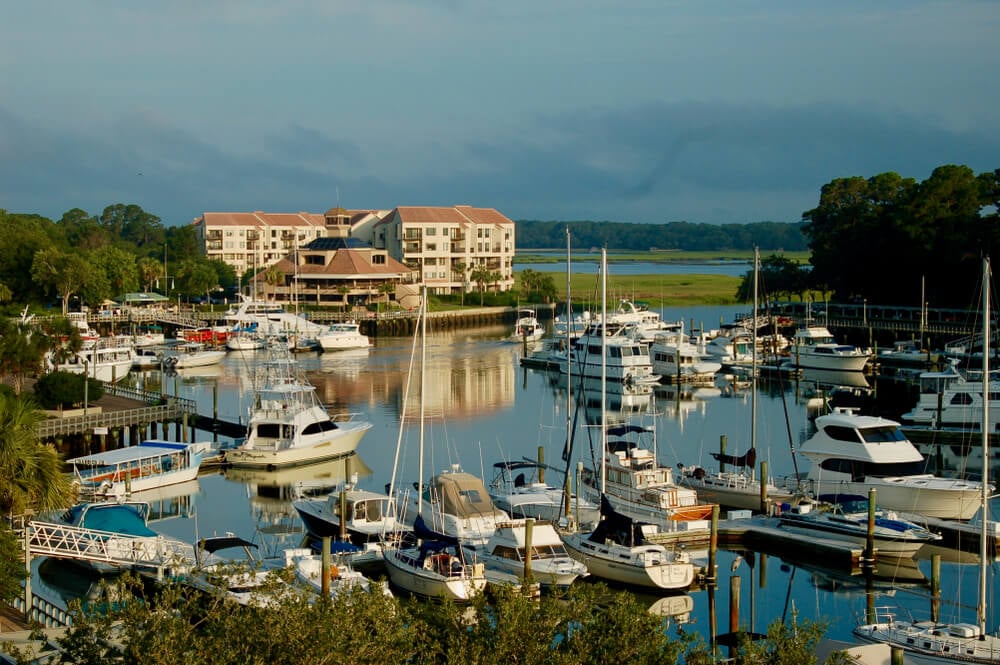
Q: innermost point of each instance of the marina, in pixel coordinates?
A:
(482, 406)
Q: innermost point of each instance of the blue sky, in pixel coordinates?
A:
(641, 111)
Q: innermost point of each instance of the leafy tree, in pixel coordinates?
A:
(23, 347)
(82, 231)
(197, 275)
(20, 237)
(61, 272)
(120, 268)
(31, 474)
(66, 389)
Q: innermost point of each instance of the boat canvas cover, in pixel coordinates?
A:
(464, 495)
(145, 450)
(124, 519)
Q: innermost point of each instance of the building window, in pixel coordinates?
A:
(378, 259)
(431, 231)
(431, 247)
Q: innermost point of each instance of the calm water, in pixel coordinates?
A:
(592, 265)
(482, 407)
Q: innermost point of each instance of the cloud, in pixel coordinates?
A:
(701, 162)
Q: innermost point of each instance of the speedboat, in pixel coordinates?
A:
(845, 518)
(289, 426)
(509, 553)
(852, 453)
(950, 399)
(343, 335)
(238, 574)
(527, 328)
(193, 354)
(619, 550)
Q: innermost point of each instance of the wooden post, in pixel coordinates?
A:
(529, 526)
(763, 487)
(541, 464)
(325, 572)
(343, 514)
(869, 554)
(723, 442)
(734, 610)
(713, 546)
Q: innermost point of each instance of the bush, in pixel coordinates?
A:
(66, 390)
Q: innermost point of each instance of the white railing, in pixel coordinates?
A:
(141, 552)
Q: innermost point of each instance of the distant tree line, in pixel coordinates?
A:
(533, 234)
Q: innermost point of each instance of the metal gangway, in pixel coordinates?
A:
(159, 555)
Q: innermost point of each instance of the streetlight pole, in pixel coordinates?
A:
(86, 382)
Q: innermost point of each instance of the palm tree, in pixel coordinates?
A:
(31, 474)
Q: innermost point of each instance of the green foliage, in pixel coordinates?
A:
(587, 624)
(31, 474)
(884, 237)
(66, 389)
(11, 565)
(537, 286)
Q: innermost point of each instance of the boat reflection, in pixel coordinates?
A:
(170, 501)
(271, 493)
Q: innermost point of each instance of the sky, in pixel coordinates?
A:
(706, 111)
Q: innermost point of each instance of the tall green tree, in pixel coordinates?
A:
(62, 272)
(120, 268)
(20, 237)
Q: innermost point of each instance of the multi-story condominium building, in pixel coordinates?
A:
(249, 240)
(451, 247)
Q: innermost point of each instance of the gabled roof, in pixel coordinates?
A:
(259, 218)
(354, 262)
(461, 214)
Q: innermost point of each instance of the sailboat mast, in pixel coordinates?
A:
(753, 358)
(569, 382)
(981, 605)
(423, 395)
(604, 368)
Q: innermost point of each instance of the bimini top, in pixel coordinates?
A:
(144, 450)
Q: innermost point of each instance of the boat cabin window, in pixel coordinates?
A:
(321, 426)
(882, 434)
(269, 430)
(859, 470)
(961, 399)
(471, 495)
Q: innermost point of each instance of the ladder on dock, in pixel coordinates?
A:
(159, 554)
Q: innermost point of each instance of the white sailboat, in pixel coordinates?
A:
(436, 566)
(740, 487)
(931, 641)
(617, 549)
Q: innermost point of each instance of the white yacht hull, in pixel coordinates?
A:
(344, 442)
